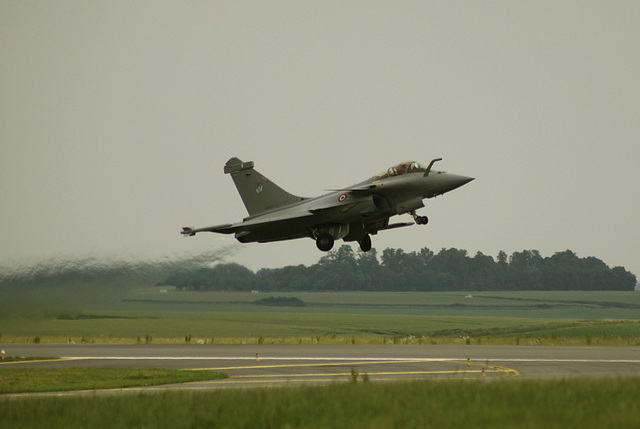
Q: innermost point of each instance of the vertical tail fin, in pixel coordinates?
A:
(258, 193)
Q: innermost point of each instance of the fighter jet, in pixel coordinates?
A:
(354, 213)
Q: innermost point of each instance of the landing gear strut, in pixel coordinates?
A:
(325, 242)
(365, 243)
(420, 220)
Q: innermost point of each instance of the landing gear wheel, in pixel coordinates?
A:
(422, 220)
(325, 242)
(365, 243)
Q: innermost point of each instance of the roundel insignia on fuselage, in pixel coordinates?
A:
(342, 198)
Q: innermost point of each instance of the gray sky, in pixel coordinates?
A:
(116, 119)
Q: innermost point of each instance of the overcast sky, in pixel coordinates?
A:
(116, 119)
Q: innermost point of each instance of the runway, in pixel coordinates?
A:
(275, 365)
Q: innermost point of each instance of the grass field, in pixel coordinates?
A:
(238, 327)
(572, 403)
(161, 315)
(528, 304)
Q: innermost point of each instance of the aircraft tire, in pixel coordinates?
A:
(325, 242)
(422, 220)
(365, 243)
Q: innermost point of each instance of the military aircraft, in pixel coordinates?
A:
(351, 214)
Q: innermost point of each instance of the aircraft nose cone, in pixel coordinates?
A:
(463, 180)
(454, 181)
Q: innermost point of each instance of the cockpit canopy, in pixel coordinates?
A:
(399, 170)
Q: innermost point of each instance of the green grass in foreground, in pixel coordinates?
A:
(13, 380)
(567, 403)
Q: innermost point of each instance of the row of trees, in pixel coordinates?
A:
(396, 270)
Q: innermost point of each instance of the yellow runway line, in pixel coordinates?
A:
(294, 365)
(39, 361)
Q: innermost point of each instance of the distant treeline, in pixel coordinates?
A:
(447, 270)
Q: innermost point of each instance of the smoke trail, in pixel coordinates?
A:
(95, 265)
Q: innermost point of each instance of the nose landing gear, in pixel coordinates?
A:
(420, 220)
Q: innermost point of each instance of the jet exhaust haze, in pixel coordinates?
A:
(61, 265)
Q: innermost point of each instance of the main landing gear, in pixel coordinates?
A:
(325, 242)
(365, 243)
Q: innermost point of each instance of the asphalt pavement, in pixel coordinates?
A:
(274, 365)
